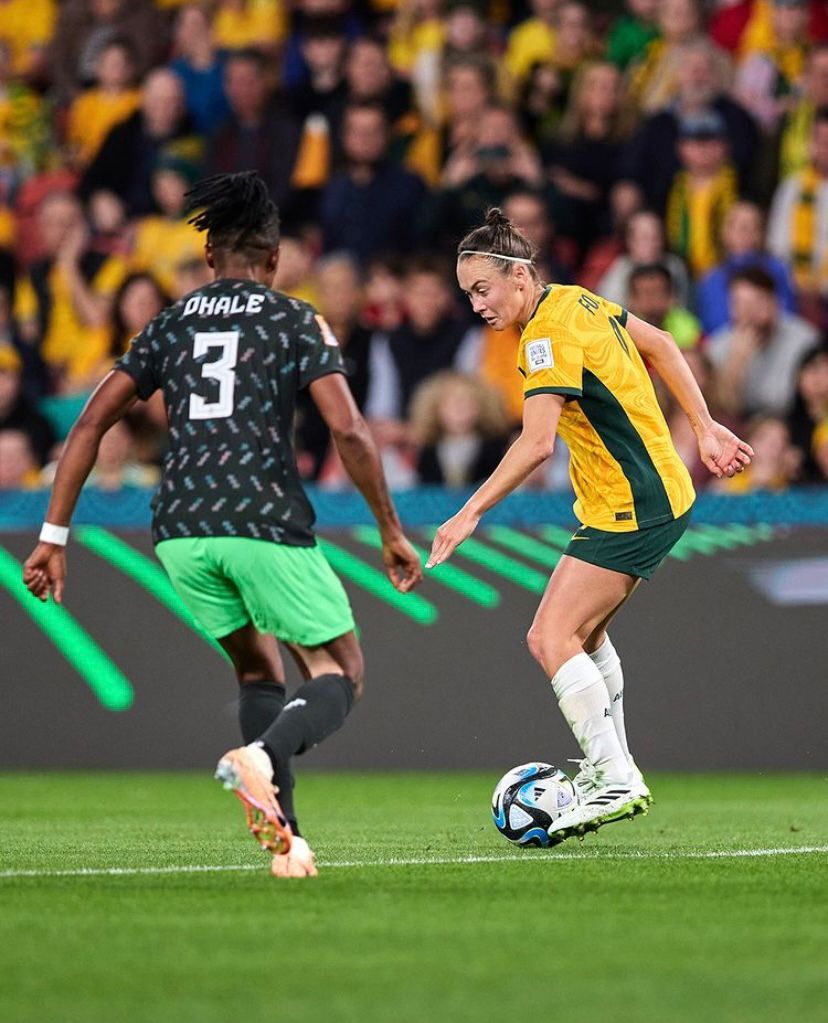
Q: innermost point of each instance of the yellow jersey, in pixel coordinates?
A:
(626, 473)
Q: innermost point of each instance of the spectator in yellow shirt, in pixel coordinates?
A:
(64, 304)
(164, 241)
(110, 101)
(533, 40)
(702, 191)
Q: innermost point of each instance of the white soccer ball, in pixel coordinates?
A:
(528, 800)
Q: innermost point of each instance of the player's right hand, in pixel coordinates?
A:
(722, 451)
(45, 571)
(402, 563)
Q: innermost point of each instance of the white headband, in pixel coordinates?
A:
(496, 255)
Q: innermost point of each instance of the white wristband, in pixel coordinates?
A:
(54, 534)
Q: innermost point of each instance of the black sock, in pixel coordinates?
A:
(260, 703)
(318, 709)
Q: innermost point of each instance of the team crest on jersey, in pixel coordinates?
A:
(539, 354)
(327, 334)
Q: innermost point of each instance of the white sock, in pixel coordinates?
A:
(607, 661)
(582, 697)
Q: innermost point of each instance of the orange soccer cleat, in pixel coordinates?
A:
(239, 771)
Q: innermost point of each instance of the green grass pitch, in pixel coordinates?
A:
(712, 908)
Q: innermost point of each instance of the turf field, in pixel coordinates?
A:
(139, 897)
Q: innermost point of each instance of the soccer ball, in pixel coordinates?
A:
(528, 799)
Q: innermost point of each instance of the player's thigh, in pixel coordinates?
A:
(596, 637)
(290, 592)
(208, 594)
(578, 597)
(255, 656)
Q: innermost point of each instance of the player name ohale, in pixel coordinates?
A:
(223, 305)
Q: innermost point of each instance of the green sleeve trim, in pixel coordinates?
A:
(574, 392)
(622, 318)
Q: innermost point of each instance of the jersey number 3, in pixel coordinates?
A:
(223, 370)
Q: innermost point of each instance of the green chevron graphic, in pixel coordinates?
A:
(107, 682)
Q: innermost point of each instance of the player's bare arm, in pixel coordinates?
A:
(45, 569)
(361, 459)
(534, 445)
(721, 450)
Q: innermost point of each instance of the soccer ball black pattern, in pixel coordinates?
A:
(528, 800)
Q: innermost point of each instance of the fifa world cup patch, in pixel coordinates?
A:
(539, 354)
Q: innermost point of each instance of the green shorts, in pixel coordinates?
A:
(228, 581)
(637, 553)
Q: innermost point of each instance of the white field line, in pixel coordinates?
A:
(525, 857)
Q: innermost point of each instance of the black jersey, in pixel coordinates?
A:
(230, 359)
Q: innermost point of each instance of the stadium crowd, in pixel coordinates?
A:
(671, 155)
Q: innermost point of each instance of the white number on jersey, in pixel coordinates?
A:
(223, 370)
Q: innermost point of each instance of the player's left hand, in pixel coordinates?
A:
(450, 535)
(723, 452)
(45, 571)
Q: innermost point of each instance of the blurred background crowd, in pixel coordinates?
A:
(671, 155)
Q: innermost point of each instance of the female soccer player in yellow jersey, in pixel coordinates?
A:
(584, 376)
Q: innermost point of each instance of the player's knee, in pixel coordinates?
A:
(535, 641)
(548, 649)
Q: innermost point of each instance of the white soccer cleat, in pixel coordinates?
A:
(298, 861)
(599, 802)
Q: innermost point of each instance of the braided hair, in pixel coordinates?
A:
(499, 241)
(237, 213)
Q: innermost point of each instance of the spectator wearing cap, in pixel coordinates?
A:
(651, 157)
(164, 241)
(757, 358)
(17, 411)
(770, 73)
(200, 65)
(373, 204)
(127, 158)
(798, 222)
(742, 245)
(702, 192)
(113, 98)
